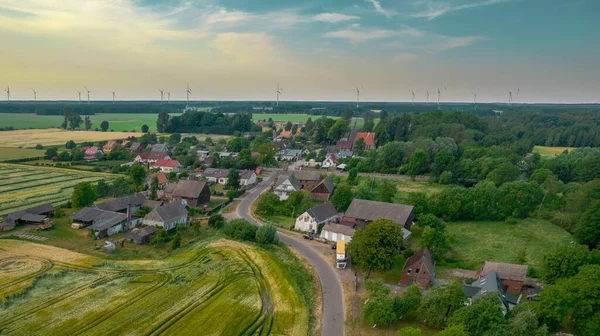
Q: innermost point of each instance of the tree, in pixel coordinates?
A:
(266, 234)
(174, 139)
(359, 146)
(162, 123)
(51, 152)
(145, 128)
(39, 146)
(154, 188)
(387, 191)
(137, 174)
(159, 237)
(443, 159)
(176, 243)
(240, 229)
(440, 302)
(445, 177)
(519, 198)
(429, 220)
(505, 172)
(104, 126)
(267, 204)
(337, 130)
(380, 311)
(67, 114)
(481, 317)
(564, 261)
(436, 241)
(409, 331)
(216, 221)
(420, 202)
(288, 126)
(74, 120)
(524, 322)
(64, 156)
(376, 247)
(70, 144)
(587, 230)
(352, 176)
(342, 197)
(455, 330)
(87, 123)
(417, 163)
(236, 144)
(408, 301)
(84, 194)
(233, 179)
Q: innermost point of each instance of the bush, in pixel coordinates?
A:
(176, 241)
(39, 146)
(267, 234)
(216, 221)
(240, 229)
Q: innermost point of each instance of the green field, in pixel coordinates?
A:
(550, 152)
(10, 153)
(278, 117)
(207, 288)
(23, 186)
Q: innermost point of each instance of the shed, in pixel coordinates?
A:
(141, 236)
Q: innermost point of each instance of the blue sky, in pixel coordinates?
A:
(548, 50)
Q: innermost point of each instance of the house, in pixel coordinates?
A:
(369, 138)
(135, 147)
(91, 153)
(247, 177)
(491, 283)
(141, 236)
(151, 157)
(227, 154)
(291, 155)
(110, 145)
(162, 180)
(418, 269)
(362, 212)
(168, 166)
(101, 223)
(344, 145)
(216, 175)
(159, 148)
(513, 276)
(323, 190)
(208, 161)
(345, 154)
(151, 204)
(315, 216)
(330, 161)
(308, 180)
(193, 193)
(126, 204)
(33, 215)
(334, 232)
(285, 186)
(202, 154)
(289, 134)
(167, 216)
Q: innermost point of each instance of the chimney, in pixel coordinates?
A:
(128, 210)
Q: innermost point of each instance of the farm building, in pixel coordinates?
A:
(101, 223)
(216, 175)
(151, 204)
(168, 166)
(313, 217)
(135, 147)
(110, 146)
(194, 193)
(285, 186)
(418, 268)
(91, 153)
(290, 155)
(151, 157)
(202, 154)
(362, 212)
(491, 283)
(159, 148)
(323, 190)
(126, 204)
(345, 154)
(513, 276)
(344, 145)
(308, 180)
(334, 232)
(167, 216)
(32, 215)
(141, 236)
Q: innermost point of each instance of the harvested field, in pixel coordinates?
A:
(221, 288)
(11, 153)
(55, 136)
(547, 151)
(24, 186)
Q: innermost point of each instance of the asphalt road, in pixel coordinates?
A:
(333, 299)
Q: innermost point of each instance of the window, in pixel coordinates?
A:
(417, 271)
(409, 270)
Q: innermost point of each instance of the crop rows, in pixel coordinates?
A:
(15, 180)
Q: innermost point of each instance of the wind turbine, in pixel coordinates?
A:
(439, 93)
(474, 99)
(427, 97)
(357, 96)
(34, 96)
(113, 93)
(168, 97)
(7, 90)
(188, 93)
(162, 94)
(278, 93)
(88, 93)
(509, 98)
(413, 97)
(79, 92)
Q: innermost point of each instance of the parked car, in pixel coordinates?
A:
(334, 245)
(309, 236)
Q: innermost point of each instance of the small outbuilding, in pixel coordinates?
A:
(513, 276)
(141, 236)
(323, 190)
(167, 216)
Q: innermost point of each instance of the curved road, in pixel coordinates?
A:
(333, 299)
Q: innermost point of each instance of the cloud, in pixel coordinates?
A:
(380, 9)
(334, 17)
(436, 8)
(357, 35)
(442, 42)
(404, 58)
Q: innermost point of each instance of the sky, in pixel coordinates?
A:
(316, 50)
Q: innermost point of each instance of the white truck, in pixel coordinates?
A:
(340, 254)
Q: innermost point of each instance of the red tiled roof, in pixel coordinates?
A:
(285, 134)
(162, 178)
(166, 163)
(369, 138)
(110, 144)
(91, 150)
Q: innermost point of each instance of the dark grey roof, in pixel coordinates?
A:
(322, 212)
(170, 211)
(139, 233)
(12, 217)
(33, 218)
(151, 204)
(421, 256)
(307, 175)
(339, 228)
(489, 283)
(246, 174)
(121, 203)
(327, 183)
(215, 172)
(188, 189)
(372, 210)
(40, 209)
(345, 154)
(101, 219)
(292, 178)
(170, 187)
(135, 145)
(158, 148)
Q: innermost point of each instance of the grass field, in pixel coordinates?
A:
(547, 151)
(54, 136)
(277, 117)
(25, 186)
(11, 153)
(207, 288)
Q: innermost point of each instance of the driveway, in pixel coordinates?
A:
(333, 299)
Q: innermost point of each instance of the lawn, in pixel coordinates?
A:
(55, 136)
(11, 153)
(49, 290)
(403, 187)
(476, 242)
(547, 151)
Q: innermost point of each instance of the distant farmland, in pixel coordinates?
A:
(56, 137)
(221, 288)
(548, 151)
(25, 186)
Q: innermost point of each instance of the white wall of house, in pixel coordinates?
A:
(222, 180)
(114, 230)
(170, 169)
(166, 225)
(328, 163)
(248, 181)
(332, 236)
(306, 222)
(284, 190)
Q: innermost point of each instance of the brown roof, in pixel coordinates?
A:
(307, 175)
(505, 271)
(162, 178)
(369, 138)
(339, 228)
(153, 155)
(188, 189)
(372, 210)
(423, 256)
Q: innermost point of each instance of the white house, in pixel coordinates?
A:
(167, 216)
(151, 157)
(168, 166)
(335, 232)
(330, 161)
(202, 154)
(313, 217)
(216, 175)
(247, 177)
(286, 186)
(291, 154)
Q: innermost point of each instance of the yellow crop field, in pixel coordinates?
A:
(547, 151)
(55, 136)
(218, 288)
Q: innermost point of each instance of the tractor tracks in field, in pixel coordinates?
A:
(263, 323)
